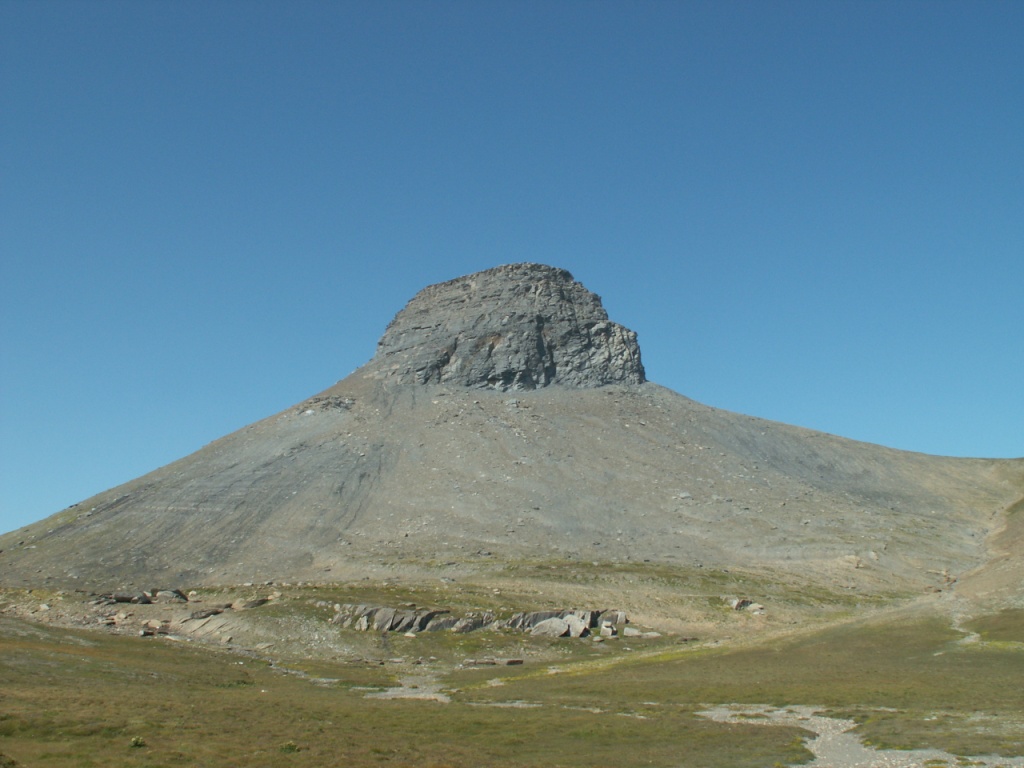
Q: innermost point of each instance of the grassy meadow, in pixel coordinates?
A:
(75, 698)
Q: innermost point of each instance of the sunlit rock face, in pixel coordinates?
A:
(514, 327)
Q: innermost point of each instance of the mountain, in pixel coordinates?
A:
(505, 418)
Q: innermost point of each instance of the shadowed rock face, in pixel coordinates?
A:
(515, 327)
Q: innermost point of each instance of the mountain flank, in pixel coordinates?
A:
(505, 419)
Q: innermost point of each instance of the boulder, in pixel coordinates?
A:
(589, 618)
(613, 617)
(577, 626)
(554, 627)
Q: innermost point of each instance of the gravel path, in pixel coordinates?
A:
(836, 747)
(413, 687)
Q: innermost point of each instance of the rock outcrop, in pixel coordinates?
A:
(566, 623)
(515, 327)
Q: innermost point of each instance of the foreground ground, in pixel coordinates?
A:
(279, 685)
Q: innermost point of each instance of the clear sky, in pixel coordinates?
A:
(811, 212)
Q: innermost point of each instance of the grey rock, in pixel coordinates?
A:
(362, 617)
(343, 616)
(473, 623)
(589, 618)
(554, 627)
(441, 623)
(382, 618)
(613, 618)
(139, 598)
(528, 620)
(516, 622)
(406, 620)
(206, 613)
(245, 605)
(403, 621)
(577, 627)
(169, 596)
(423, 619)
(515, 327)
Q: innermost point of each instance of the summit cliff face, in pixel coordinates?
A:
(515, 327)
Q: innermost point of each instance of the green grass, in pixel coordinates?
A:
(915, 667)
(1006, 626)
(696, 582)
(72, 699)
(82, 699)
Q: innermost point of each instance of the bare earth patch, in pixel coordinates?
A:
(835, 746)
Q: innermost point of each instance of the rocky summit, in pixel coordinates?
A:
(515, 327)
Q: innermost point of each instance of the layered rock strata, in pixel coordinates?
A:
(515, 327)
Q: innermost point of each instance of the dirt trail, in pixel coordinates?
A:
(834, 746)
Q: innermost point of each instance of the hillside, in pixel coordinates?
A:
(505, 418)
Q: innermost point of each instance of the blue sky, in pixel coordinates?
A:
(810, 212)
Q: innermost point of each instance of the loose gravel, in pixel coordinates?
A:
(834, 746)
